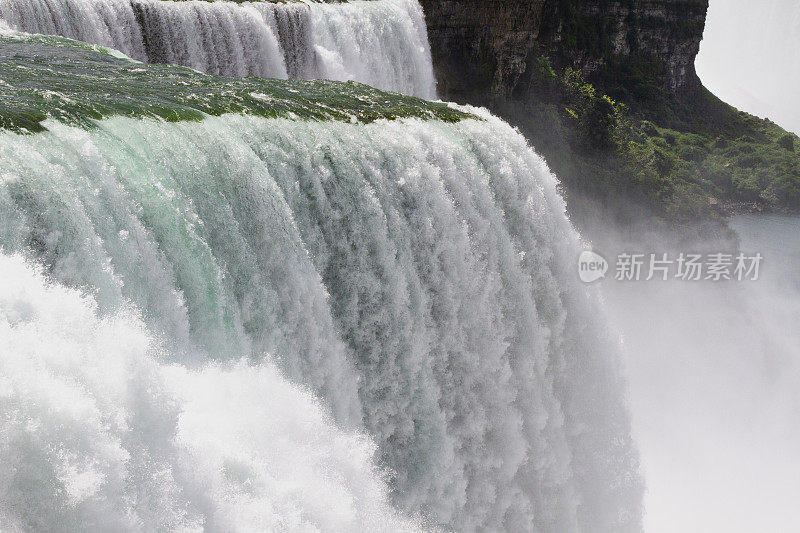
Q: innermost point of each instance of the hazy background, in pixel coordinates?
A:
(750, 57)
(714, 381)
(714, 369)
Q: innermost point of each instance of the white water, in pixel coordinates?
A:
(417, 276)
(382, 43)
(100, 433)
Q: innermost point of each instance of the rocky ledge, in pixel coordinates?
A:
(607, 92)
(489, 47)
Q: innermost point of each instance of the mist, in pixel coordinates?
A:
(714, 367)
(750, 57)
(713, 370)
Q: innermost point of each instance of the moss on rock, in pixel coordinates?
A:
(45, 77)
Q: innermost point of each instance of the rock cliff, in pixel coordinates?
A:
(607, 92)
(486, 48)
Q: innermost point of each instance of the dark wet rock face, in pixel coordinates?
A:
(485, 48)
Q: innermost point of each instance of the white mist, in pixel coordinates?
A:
(714, 370)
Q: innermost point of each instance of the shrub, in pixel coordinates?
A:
(786, 189)
(746, 186)
(597, 126)
(787, 142)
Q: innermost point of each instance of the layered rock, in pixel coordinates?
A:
(486, 48)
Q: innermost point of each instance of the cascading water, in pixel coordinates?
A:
(416, 275)
(100, 433)
(382, 43)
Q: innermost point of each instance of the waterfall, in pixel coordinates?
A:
(414, 272)
(268, 322)
(100, 433)
(382, 43)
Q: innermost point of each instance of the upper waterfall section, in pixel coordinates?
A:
(382, 43)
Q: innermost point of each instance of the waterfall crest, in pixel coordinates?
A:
(341, 307)
(417, 276)
(382, 43)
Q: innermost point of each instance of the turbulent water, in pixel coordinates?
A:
(415, 275)
(379, 42)
(247, 304)
(101, 433)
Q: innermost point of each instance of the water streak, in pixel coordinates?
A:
(417, 276)
(100, 433)
(382, 43)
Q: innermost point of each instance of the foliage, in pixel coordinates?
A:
(787, 142)
(45, 77)
(681, 160)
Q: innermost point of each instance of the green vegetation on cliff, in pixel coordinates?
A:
(681, 161)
